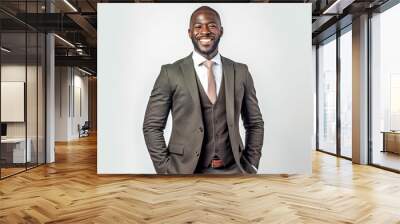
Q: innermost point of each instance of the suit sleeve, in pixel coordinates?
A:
(252, 122)
(155, 120)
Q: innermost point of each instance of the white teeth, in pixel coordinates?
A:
(205, 40)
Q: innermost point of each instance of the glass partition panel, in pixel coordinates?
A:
(41, 98)
(14, 153)
(22, 77)
(327, 96)
(31, 100)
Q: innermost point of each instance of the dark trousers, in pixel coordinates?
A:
(232, 169)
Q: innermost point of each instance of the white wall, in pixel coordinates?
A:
(274, 40)
(61, 103)
(67, 84)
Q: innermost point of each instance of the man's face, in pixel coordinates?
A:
(205, 31)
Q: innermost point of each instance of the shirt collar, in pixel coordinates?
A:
(199, 59)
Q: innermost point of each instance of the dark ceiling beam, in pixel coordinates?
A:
(86, 26)
(329, 14)
(332, 29)
(334, 17)
(341, 21)
(321, 22)
(63, 7)
(11, 25)
(89, 70)
(74, 13)
(338, 6)
(15, 18)
(383, 6)
(49, 22)
(91, 5)
(53, 22)
(66, 51)
(83, 61)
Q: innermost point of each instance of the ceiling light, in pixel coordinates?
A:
(65, 41)
(70, 5)
(5, 50)
(84, 71)
(79, 51)
(338, 6)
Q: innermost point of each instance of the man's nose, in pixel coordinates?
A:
(205, 30)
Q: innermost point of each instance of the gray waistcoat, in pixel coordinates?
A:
(216, 137)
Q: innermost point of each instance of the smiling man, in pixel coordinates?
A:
(206, 94)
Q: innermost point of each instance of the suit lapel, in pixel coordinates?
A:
(189, 76)
(229, 78)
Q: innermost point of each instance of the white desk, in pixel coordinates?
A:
(18, 149)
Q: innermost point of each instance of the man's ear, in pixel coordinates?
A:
(222, 31)
(189, 33)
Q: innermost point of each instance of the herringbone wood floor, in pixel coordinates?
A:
(70, 191)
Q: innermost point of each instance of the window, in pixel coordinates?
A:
(346, 93)
(327, 96)
(385, 88)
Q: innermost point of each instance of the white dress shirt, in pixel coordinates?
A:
(201, 70)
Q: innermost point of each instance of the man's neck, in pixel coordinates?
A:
(208, 57)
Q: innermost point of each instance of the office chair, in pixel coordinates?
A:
(84, 130)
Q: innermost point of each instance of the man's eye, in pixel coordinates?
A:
(197, 26)
(212, 26)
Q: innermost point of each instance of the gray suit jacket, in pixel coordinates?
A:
(176, 90)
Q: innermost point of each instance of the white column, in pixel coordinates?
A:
(360, 90)
(50, 92)
(50, 100)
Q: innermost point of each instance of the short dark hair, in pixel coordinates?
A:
(205, 8)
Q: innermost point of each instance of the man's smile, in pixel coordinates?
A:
(205, 40)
